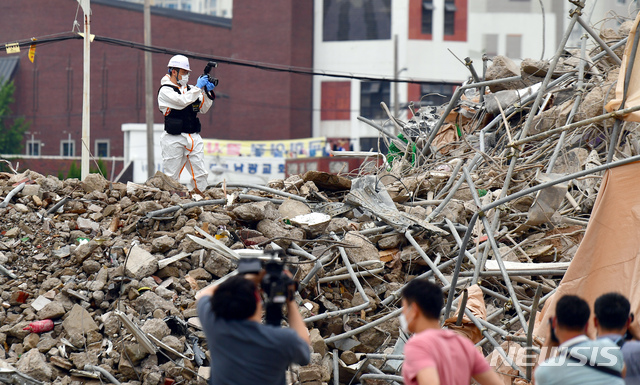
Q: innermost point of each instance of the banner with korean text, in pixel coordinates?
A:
(294, 148)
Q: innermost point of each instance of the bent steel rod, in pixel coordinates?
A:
(382, 376)
(269, 190)
(576, 104)
(501, 297)
(493, 342)
(614, 46)
(364, 296)
(565, 178)
(613, 142)
(599, 40)
(454, 173)
(453, 102)
(452, 192)
(396, 294)
(494, 246)
(454, 233)
(548, 133)
(297, 250)
(402, 146)
(538, 101)
(456, 272)
(380, 320)
(336, 368)
(376, 376)
(512, 321)
(532, 321)
(154, 214)
(515, 273)
(513, 108)
(380, 356)
(424, 256)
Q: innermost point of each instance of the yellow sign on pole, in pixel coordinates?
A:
(32, 51)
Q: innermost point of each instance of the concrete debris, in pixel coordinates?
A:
(498, 204)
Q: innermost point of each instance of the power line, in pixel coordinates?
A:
(221, 59)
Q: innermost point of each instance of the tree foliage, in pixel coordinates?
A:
(12, 128)
(75, 171)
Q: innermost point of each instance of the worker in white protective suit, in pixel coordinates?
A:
(180, 103)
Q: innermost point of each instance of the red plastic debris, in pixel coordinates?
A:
(42, 326)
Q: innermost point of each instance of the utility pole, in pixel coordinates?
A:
(86, 100)
(396, 104)
(148, 69)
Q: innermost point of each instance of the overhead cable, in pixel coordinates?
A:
(219, 59)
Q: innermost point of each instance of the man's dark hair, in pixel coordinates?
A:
(427, 295)
(612, 311)
(235, 299)
(572, 312)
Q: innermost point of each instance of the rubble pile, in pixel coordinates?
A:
(475, 191)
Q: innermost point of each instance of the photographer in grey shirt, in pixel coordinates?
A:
(243, 350)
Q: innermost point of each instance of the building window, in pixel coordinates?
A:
(67, 147)
(427, 17)
(490, 44)
(373, 144)
(450, 17)
(33, 147)
(356, 20)
(371, 94)
(514, 46)
(436, 94)
(102, 148)
(335, 101)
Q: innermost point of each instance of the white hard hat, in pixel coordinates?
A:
(179, 61)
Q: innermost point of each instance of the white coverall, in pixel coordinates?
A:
(183, 150)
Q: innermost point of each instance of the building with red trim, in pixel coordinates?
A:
(427, 40)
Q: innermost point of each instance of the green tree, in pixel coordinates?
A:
(75, 171)
(13, 129)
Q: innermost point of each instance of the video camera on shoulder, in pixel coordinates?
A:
(275, 283)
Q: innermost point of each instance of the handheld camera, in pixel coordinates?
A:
(207, 70)
(275, 283)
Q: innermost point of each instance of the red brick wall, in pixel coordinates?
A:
(335, 101)
(413, 93)
(460, 22)
(61, 167)
(251, 103)
(415, 21)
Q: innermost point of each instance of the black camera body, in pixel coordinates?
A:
(207, 70)
(275, 283)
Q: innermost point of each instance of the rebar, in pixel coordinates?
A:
(355, 280)
(269, 190)
(532, 321)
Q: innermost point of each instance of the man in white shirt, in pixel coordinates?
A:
(181, 144)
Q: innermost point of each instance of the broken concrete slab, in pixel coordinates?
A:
(362, 250)
(140, 263)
